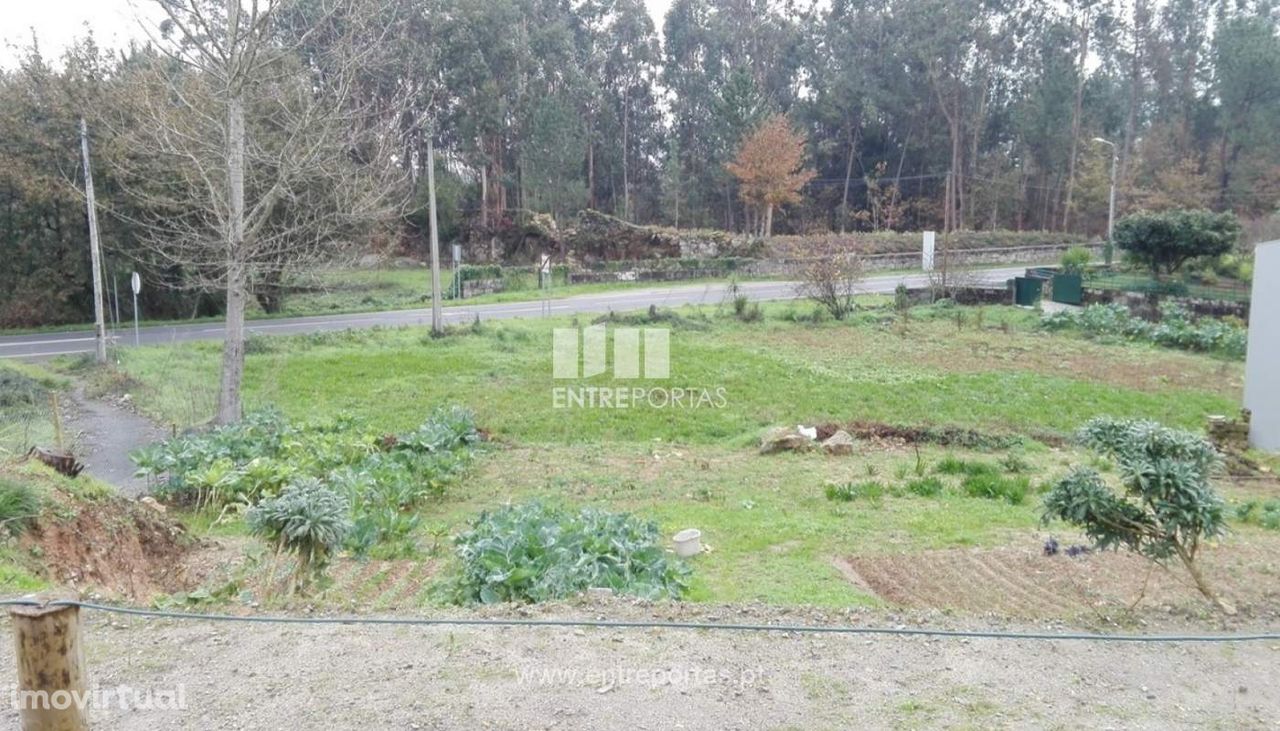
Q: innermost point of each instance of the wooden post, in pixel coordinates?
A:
(51, 671)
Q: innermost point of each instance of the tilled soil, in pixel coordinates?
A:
(253, 676)
(1020, 582)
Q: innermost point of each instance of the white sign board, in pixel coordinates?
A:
(927, 258)
(457, 253)
(136, 281)
(1262, 388)
(546, 264)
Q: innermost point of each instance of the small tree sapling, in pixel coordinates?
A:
(1166, 508)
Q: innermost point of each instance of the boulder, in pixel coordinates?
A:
(783, 439)
(840, 444)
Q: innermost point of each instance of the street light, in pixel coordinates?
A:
(1111, 210)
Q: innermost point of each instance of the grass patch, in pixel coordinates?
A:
(772, 372)
(996, 487)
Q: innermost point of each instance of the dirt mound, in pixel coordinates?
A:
(108, 545)
(1022, 582)
(946, 436)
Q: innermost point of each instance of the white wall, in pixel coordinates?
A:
(1262, 375)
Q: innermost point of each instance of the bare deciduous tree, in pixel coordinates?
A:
(254, 148)
(832, 282)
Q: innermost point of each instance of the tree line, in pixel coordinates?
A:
(949, 114)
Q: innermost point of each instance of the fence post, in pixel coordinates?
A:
(51, 692)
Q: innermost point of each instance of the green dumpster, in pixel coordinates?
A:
(1068, 289)
(1026, 291)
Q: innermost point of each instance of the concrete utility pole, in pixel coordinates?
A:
(95, 252)
(437, 315)
(1111, 209)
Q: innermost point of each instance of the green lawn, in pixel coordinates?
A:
(774, 534)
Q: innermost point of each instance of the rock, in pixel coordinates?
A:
(810, 432)
(370, 261)
(783, 439)
(840, 444)
(152, 503)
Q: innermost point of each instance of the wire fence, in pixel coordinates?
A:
(1144, 284)
(901, 631)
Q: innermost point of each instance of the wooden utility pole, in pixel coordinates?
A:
(437, 316)
(51, 670)
(95, 252)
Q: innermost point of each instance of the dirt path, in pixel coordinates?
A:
(104, 434)
(238, 676)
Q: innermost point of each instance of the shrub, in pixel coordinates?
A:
(1264, 513)
(996, 487)
(1075, 259)
(1164, 241)
(308, 520)
(19, 506)
(1176, 328)
(1166, 506)
(850, 491)
(926, 487)
(832, 283)
(534, 552)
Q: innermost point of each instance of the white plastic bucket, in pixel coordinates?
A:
(688, 542)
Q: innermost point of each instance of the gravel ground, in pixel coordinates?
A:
(251, 676)
(105, 433)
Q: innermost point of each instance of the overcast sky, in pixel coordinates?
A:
(57, 22)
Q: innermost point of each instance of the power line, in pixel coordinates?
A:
(643, 624)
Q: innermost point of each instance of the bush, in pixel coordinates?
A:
(308, 520)
(1166, 507)
(534, 552)
(1164, 241)
(1176, 328)
(1263, 513)
(1075, 259)
(832, 283)
(926, 487)
(19, 506)
(382, 477)
(996, 487)
(953, 465)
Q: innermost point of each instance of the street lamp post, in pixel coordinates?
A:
(1109, 249)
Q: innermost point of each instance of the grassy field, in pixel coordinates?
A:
(774, 535)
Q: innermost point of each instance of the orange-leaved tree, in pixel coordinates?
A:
(770, 169)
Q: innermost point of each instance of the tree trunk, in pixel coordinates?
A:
(1202, 584)
(229, 407)
(1076, 113)
(626, 171)
(1141, 16)
(591, 168)
(848, 173)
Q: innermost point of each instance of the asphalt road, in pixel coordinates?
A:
(70, 343)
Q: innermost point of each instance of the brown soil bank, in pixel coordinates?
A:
(91, 540)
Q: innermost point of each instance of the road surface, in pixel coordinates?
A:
(71, 343)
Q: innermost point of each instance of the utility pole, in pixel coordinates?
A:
(437, 316)
(95, 252)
